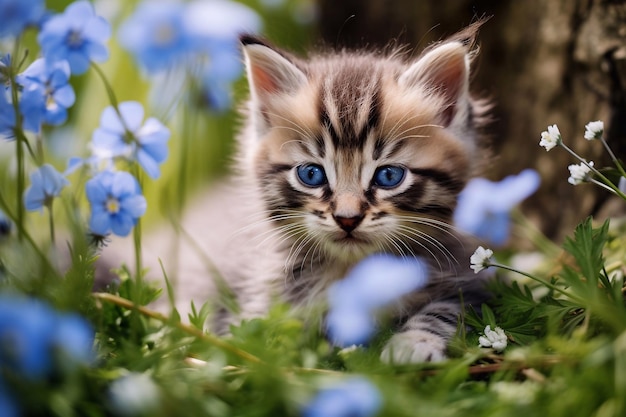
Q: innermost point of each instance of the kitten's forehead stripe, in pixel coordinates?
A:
(350, 103)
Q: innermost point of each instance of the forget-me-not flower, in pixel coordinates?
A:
(349, 326)
(16, 15)
(116, 203)
(46, 183)
(49, 83)
(156, 35)
(355, 397)
(222, 67)
(129, 137)
(375, 282)
(214, 27)
(484, 206)
(31, 332)
(77, 35)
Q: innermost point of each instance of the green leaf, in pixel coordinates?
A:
(586, 248)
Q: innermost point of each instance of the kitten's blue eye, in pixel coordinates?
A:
(312, 175)
(389, 176)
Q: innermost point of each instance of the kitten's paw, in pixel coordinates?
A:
(414, 346)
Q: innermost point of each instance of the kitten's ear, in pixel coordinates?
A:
(444, 71)
(269, 71)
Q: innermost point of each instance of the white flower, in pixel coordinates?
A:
(480, 259)
(133, 394)
(523, 393)
(594, 130)
(550, 138)
(347, 351)
(622, 184)
(495, 339)
(579, 173)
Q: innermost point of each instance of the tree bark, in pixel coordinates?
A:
(542, 62)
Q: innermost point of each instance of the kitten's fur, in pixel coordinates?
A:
(349, 113)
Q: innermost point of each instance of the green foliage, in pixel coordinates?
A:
(566, 328)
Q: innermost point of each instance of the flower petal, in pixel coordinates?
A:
(124, 184)
(100, 222)
(121, 225)
(135, 205)
(148, 164)
(132, 112)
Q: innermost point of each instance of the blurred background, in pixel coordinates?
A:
(541, 62)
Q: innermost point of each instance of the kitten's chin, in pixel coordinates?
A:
(349, 248)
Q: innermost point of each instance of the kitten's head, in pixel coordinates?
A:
(362, 152)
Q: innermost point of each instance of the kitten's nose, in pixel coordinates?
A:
(348, 223)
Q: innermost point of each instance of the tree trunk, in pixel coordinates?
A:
(541, 61)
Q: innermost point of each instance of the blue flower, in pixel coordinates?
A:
(375, 282)
(15, 15)
(484, 206)
(355, 397)
(45, 184)
(127, 137)
(222, 68)
(116, 203)
(347, 326)
(77, 35)
(7, 116)
(49, 84)
(75, 337)
(155, 34)
(214, 28)
(219, 20)
(31, 332)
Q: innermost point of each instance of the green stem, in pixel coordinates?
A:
(206, 337)
(107, 86)
(547, 284)
(601, 184)
(19, 138)
(39, 156)
(613, 157)
(137, 235)
(111, 94)
(25, 235)
(51, 223)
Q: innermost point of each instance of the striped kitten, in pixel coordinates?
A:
(342, 155)
(353, 153)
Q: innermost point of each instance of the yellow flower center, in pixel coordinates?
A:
(113, 205)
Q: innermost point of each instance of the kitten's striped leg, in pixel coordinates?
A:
(424, 337)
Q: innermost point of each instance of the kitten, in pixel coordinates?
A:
(344, 155)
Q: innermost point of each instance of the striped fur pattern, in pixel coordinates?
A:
(326, 141)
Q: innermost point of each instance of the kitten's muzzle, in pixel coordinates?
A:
(348, 224)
